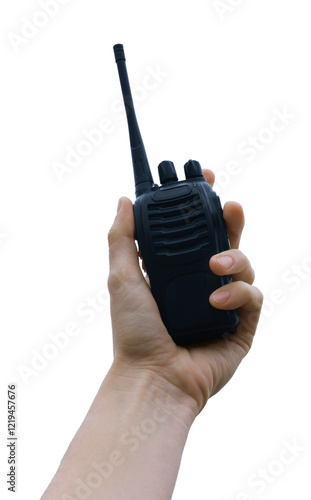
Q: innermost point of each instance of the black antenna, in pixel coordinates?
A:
(142, 172)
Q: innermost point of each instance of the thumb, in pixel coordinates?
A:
(123, 258)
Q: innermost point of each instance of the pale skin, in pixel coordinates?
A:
(130, 444)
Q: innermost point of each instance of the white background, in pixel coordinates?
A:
(222, 76)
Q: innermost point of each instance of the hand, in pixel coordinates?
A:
(141, 342)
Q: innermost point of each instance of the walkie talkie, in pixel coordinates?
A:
(179, 227)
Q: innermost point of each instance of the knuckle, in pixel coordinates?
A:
(112, 236)
(258, 297)
(252, 275)
(117, 280)
(246, 267)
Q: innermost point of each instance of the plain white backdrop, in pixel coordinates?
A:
(219, 72)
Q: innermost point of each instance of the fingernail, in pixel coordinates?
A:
(226, 261)
(221, 296)
(119, 205)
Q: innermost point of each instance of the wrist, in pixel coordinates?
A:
(133, 434)
(148, 392)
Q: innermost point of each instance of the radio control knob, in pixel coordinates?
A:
(167, 172)
(193, 169)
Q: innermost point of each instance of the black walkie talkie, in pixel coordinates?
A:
(179, 226)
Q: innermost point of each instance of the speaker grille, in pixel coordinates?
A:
(178, 226)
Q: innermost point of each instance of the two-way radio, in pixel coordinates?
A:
(179, 227)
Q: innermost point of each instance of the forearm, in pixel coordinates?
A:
(130, 444)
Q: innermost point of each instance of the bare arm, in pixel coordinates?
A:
(130, 444)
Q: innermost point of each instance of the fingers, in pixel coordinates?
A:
(233, 214)
(209, 176)
(235, 263)
(237, 295)
(234, 217)
(123, 258)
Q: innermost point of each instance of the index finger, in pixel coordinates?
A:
(232, 212)
(209, 176)
(234, 217)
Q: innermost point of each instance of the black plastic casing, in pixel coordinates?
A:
(179, 227)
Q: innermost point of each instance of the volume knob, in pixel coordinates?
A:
(193, 169)
(167, 172)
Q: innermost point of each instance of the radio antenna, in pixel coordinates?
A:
(142, 172)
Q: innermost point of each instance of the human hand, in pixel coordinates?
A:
(142, 344)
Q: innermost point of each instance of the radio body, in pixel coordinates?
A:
(179, 227)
